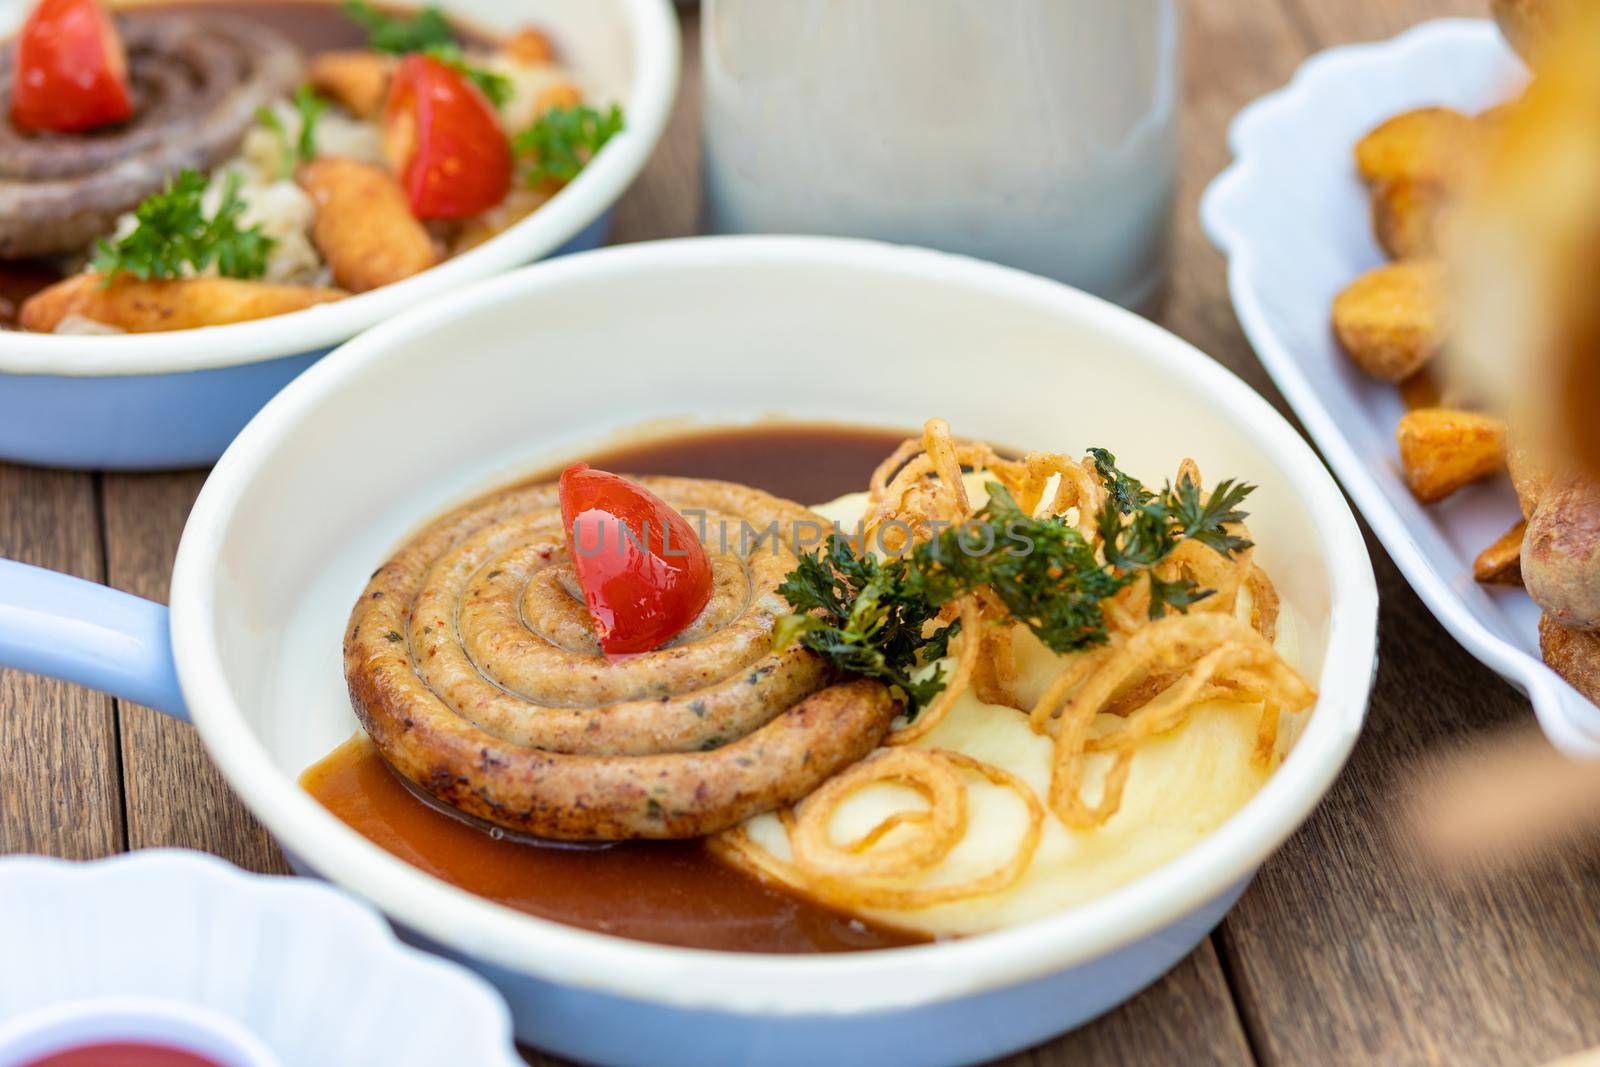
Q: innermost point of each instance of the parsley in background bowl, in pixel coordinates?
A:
(175, 399)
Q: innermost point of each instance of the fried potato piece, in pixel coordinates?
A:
(357, 79)
(1405, 216)
(1501, 562)
(1391, 320)
(1561, 554)
(1572, 654)
(364, 227)
(1430, 144)
(529, 46)
(1442, 450)
(562, 94)
(173, 304)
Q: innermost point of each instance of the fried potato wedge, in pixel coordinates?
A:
(1501, 562)
(1405, 216)
(357, 79)
(1442, 450)
(1572, 654)
(1392, 320)
(560, 95)
(529, 46)
(1430, 144)
(1561, 554)
(174, 304)
(364, 226)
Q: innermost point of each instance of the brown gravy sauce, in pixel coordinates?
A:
(672, 893)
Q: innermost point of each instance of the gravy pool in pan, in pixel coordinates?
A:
(1045, 680)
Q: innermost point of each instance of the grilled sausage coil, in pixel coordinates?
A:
(473, 665)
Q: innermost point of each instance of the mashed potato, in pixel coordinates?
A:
(1181, 786)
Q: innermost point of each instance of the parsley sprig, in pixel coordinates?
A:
(563, 140)
(870, 617)
(174, 237)
(1140, 528)
(865, 616)
(398, 34)
(429, 32)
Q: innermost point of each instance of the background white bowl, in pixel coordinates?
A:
(1295, 222)
(177, 398)
(324, 482)
(312, 975)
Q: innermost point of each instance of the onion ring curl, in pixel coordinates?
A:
(1196, 658)
(835, 874)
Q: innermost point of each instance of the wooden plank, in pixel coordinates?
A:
(59, 791)
(175, 795)
(665, 201)
(1325, 24)
(1236, 52)
(1344, 951)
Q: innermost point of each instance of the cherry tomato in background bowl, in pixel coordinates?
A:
(71, 70)
(444, 141)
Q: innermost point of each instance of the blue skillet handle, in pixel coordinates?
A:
(64, 627)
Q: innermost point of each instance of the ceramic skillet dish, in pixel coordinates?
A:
(175, 398)
(347, 462)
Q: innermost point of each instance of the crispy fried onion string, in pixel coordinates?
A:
(1188, 659)
(1150, 675)
(877, 868)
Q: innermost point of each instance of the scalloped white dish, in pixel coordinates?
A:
(300, 968)
(1293, 219)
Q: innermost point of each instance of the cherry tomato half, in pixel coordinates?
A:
(71, 69)
(643, 571)
(444, 141)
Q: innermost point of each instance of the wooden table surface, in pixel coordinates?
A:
(1340, 952)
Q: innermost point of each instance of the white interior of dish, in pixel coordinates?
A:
(617, 50)
(526, 369)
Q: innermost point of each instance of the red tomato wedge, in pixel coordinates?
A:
(644, 573)
(71, 71)
(444, 141)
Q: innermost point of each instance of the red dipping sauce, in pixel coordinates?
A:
(124, 1054)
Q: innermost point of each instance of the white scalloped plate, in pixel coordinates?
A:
(317, 977)
(1294, 222)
